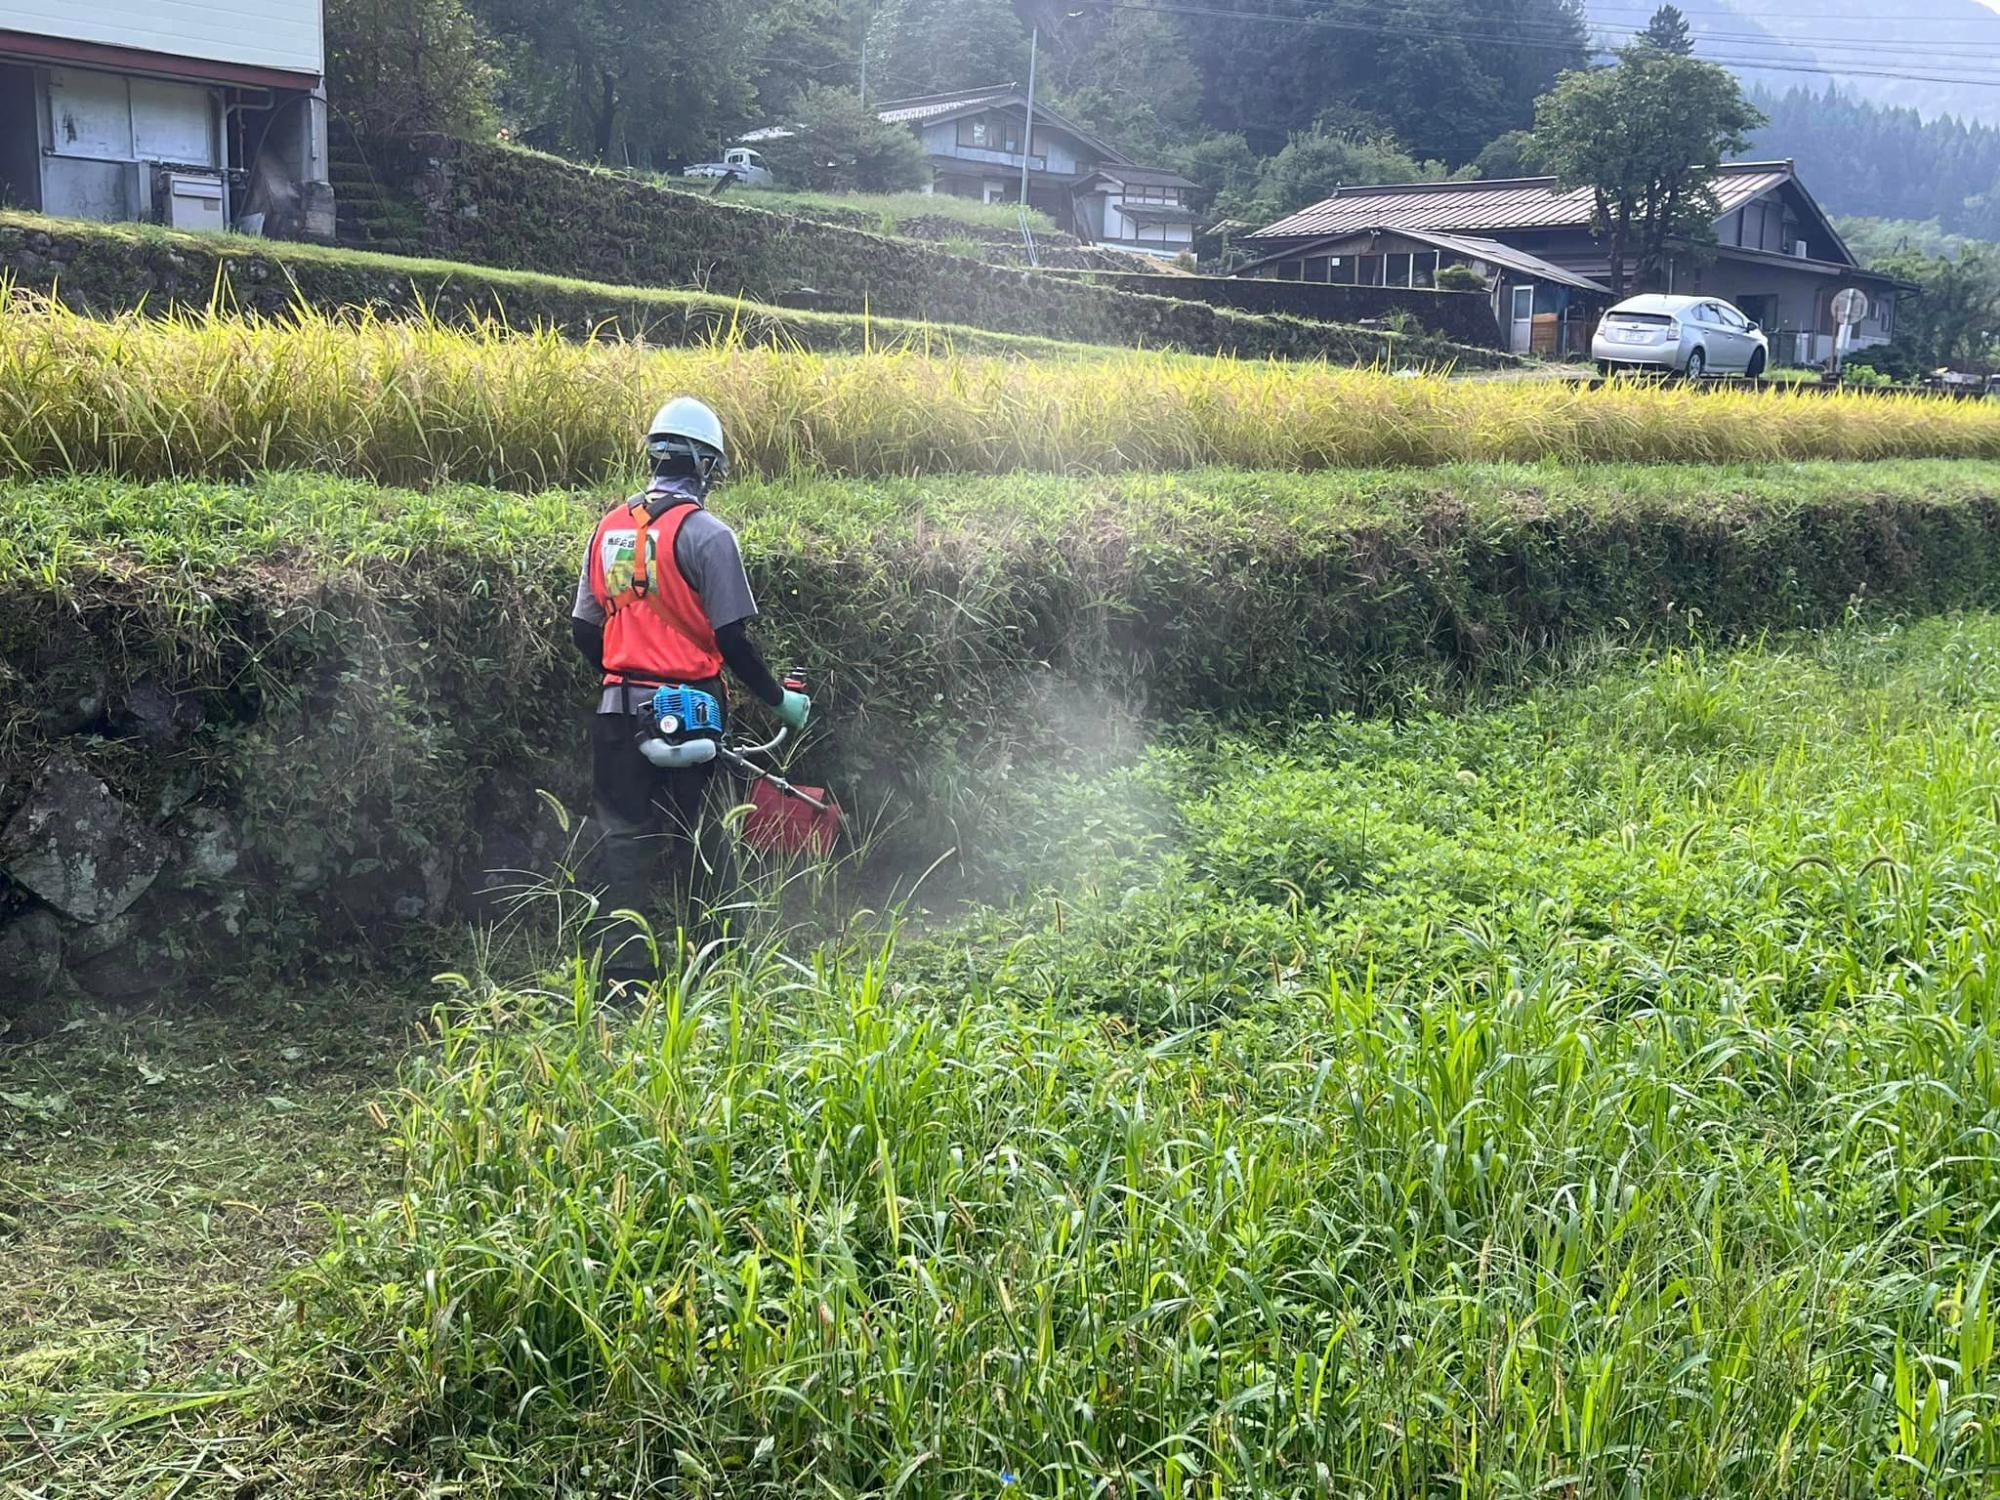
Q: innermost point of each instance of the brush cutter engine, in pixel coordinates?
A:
(683, 728)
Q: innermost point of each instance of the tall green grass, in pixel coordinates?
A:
(1596, 1098)
(890, 212)
(416, 402)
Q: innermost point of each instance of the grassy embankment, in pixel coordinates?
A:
(953, 624)
(891, 212)
(1595, 1093)
(110, 268)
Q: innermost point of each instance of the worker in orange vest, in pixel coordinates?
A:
(663, 599)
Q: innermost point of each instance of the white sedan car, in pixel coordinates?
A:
(1691, 336)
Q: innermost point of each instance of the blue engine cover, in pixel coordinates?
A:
(683, 713)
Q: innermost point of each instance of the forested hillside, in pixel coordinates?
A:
(1211, 88)
(1867, 160)
(1936, 56)
(1267, 110)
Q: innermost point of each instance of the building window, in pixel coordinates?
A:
(990, 133)
(108, 117)
(1345, 269)
(1397, 272)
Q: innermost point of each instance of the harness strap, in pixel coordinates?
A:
(644, 519)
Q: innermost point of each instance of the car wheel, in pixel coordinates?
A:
(1606, 368)
(1755, 369)
(1697, 364)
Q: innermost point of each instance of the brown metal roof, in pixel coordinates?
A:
(1505, 203)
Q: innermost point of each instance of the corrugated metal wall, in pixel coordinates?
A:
(256, 33)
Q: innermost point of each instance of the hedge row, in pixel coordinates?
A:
(331, 706)
(502, 207)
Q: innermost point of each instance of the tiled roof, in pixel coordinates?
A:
(1143, 176)
(930, 106)
(1506, 203)
(918, 111)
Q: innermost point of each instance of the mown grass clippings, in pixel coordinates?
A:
(160, 1173)
(415, 402)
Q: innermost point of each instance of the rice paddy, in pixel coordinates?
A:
(415, 402)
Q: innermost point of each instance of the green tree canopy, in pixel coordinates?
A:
(1646, 137)
(1443, 76)
(644, 81)
(1509, 155)
(1957, 319)
(932, 46)
(1227, 170)
(1316, 162)
(399, 66)
(837, 146)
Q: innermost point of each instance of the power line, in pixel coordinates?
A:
(1958, 18)
(1550, 37)
(1170, 7)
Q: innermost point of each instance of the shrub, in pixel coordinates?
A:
(1460, 278)
(399, 66)
(837, 145)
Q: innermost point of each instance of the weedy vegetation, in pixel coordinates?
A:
(1595, 1096)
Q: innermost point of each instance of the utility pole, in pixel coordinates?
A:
(864, 69)
(1028, 140)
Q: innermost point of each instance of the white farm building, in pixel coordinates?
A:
(202, 114)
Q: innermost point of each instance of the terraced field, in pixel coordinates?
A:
(1444, 963)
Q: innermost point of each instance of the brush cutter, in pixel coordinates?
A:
(685, 728)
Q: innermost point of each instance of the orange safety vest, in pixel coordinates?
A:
(655, 629)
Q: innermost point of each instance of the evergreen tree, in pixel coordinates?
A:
(1865, 159)
(1668, 31)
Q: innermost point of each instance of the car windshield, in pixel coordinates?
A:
(1650, 319)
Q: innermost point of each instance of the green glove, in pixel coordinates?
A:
(794, 710)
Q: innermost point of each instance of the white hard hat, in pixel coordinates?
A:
(686, 421)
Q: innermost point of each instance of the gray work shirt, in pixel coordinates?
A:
(706, 552)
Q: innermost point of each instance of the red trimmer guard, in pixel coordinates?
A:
(789, 826)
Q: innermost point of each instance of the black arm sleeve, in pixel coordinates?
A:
(589, 638)
(741, 653)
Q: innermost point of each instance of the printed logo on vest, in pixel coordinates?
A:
(617, 556)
